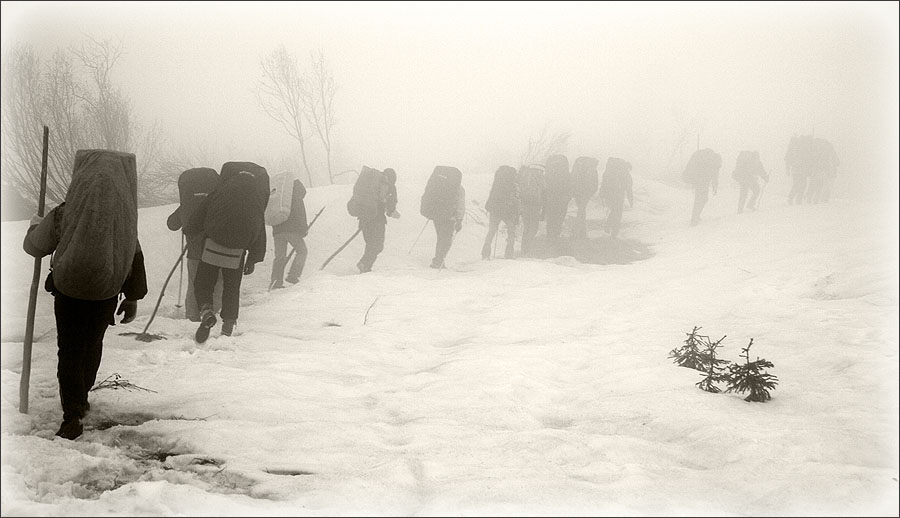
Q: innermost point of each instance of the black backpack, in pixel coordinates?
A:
(558, 179)
(441, 192)
(192, 185)
(503, 197)
(369, 194)
(230, 169)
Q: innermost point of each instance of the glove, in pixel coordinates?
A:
(458, 225)
(36, 220)
(129, 309)
(395, 214)
(248, 268)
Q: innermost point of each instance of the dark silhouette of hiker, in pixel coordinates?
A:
(502, 205)
(747, 170)
(531, 201)
(96, 258)
(291, 232)
(702, 172)
(615, 187)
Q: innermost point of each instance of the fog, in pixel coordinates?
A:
(467, 84)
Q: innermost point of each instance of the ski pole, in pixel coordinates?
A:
(417, 237)
(143, 334)
(32, 297)
(336, 252)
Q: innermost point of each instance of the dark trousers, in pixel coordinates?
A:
(531, 220)
(80, 327)
(373, 234)
(614, 219)
(701, 195)
(492, 231)
(205, 282)
(443, 228)
(556, 216)
(281, 242)
(750, 187)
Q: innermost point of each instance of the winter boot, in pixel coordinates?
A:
(207, 320)
(228, 326)
(71, 429)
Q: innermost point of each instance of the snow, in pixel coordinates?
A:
(502, 387)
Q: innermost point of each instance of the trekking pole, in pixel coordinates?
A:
(180, 275)
(25, 379)
(417, 237)
(336, 252)
(143, 336)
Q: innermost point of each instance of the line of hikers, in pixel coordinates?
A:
(97, 264)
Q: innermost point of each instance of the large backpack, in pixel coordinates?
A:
(235, 211)
(585, 178)
(278, 210)
(192, 185)
(558, 179)
(230, 169)
(704, 164)
(98, 228)
(503, 197)
(531, 185)
(369, 194)
(439, 201)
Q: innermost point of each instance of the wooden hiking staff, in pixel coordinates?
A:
(143, 335)
(336, 252)
(32, 297)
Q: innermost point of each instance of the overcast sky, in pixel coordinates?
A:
(467, 84)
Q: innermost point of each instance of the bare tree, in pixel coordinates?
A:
(81, 114)
(540, 148)
(319, 98)
(281, 93)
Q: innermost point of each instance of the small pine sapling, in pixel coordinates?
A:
(714, 367)
(689, 355)
(751, 377)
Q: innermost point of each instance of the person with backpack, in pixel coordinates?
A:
(799, 162)
(193, 187)
(291, 231)
(96, 259)
(502, 205)
(615, 187)
(702, 172)
(531, 195)
(557, 194)
(585, 179)
(746, 170)
(444, 203)
(374, 198)
(231, 224)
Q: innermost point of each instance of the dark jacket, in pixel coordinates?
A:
(41, 240)
(296, 222)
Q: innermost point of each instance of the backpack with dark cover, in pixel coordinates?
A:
(748, 165)
(234, 211)
(531, 185)
(503, 198)
(703, 165)
(585, 178)
(617, 182)
(192, 185)
(278, 209)
(558, 179)
(98, 228)
(369, 194)
(439, 201)
(230, 169)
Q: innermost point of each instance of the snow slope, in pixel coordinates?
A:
(502, 387)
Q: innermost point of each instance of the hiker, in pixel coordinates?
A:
(291, 231)
(96, 258)
(502, 205)
(193, 186)
(585, 179)
(444, 203)
(232, 226)
(746, 171)
(557, 193)
(799, 162)
(702, 172)
(823, 172)
(374, 198)
(531, 196)
(614, 188)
